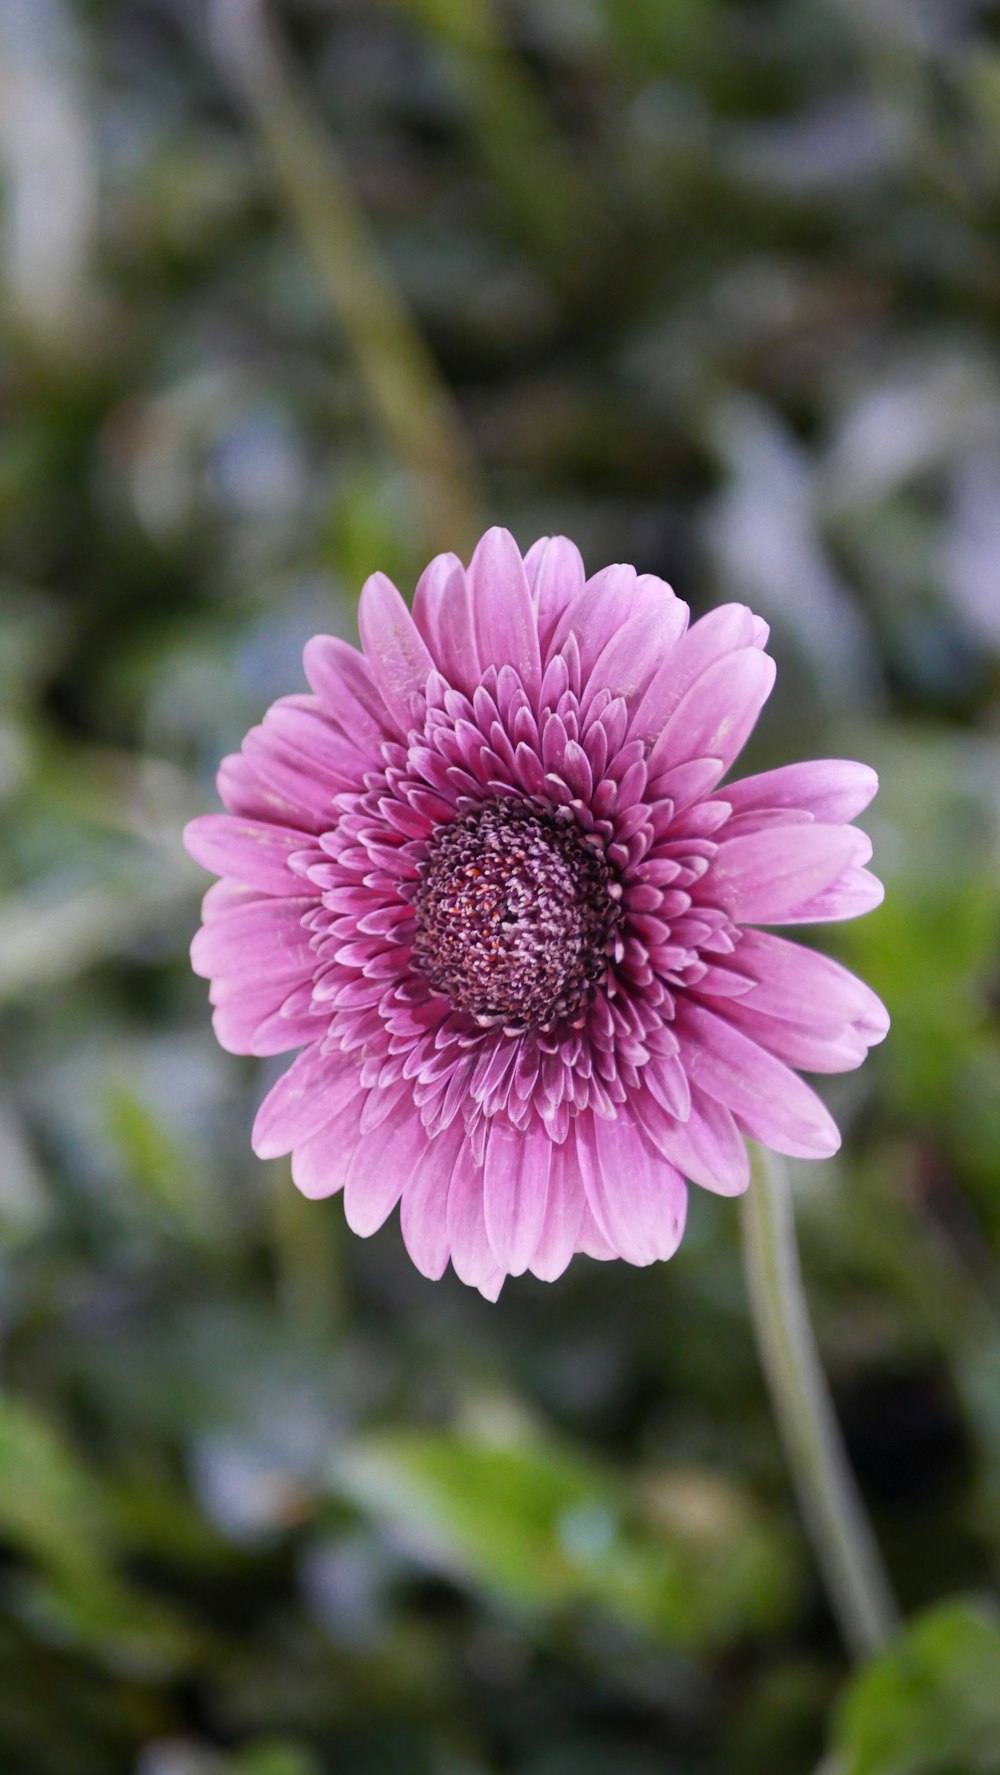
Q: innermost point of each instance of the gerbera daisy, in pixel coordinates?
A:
(485, 877)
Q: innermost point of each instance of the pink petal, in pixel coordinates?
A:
(597, 611)
(770, 1102)
(765, 877)
(717, 715)
(804, 986)
(665, 598)
(555, 574)
(725, 630)
(591, 1241)
(394, 649)
(424, 1208)
(259, 937)
(637, 1198)
(320, 1165)
(833, 790)
(633, 655)
(250, 850)
(383, 1162)
(809, 1049)
(225, 895)
(440, 588)
(564, 1209)
(304, 730)
(685, 784)
(533, 559)
(666, 1079)
(282, 1030)
(707, 1147)
(342, 680)
(855, 892)
(293, 790)
(446, 603)
(315, 1088)
(242, 792)
(506, 626)
(249, 1017)
(615, 596)
(515, 1189)
(471, 1253)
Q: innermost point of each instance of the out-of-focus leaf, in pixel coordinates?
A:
(688, 1557)
(50, 1508)
(930, 1705)
(271, 1756)
(159, 1169)
(44, 940)
(56, 1515)
(30, 639)
(556, 209)
(931, 948)
(24, 1205)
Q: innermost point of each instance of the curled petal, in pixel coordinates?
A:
(632, 656)
(854, 893)
(472, 1255)
(439, 591)
(342, 680)
(723, 631)
(803, 986)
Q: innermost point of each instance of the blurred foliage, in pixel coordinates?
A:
(929, 1704)
(713, 286)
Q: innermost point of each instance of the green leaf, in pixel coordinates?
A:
(163, 1173)
(273, 1757)
(931, 1704)
(56, 1515)
(50, 1509)
(685, 1556)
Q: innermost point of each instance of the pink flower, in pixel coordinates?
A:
(485, 877)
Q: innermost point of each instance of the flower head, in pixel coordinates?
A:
(485, 877)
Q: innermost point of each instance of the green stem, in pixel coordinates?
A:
(407, 396)
(835, 1516)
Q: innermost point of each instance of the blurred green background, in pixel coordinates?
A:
(713, 287)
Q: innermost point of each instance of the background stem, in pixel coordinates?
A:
(831, 1504)
(408, 398)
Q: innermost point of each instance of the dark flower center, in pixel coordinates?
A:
(514, 912)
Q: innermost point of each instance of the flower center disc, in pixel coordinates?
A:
(513, 915)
